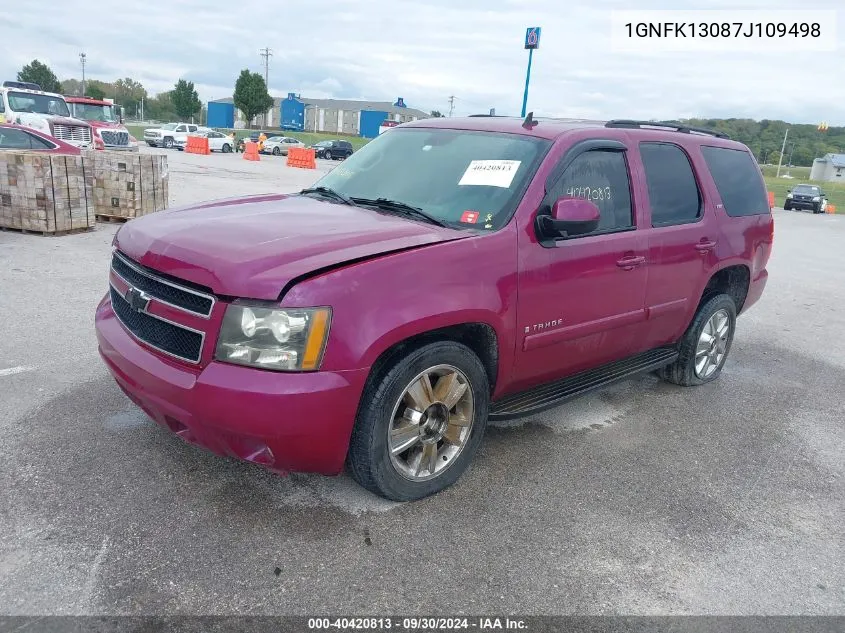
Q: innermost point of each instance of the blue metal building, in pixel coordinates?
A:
(370, 122)
(221, 114)
(292, 113)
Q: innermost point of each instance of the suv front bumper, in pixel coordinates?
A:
(283, 421)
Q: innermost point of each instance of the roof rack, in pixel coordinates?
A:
(685, 129)
(28, 85)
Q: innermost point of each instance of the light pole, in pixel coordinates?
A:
(82, 57)
(782, 147)
(532, 41)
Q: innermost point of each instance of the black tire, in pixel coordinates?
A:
(368, 460)
(168, 143)
(786, 207)
(277, 151)
(817, 208)
(327, 155)
(151, 144)
(226, 149)
(682, 371)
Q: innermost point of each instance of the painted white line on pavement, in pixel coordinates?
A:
(15, 370)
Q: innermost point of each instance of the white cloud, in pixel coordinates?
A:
(425, 51)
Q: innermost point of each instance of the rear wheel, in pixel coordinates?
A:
(420, 423)
(705, 345)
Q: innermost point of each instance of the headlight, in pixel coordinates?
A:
(817, 198)
(271, 338)
(789, 195)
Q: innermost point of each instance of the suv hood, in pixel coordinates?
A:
(253, 247)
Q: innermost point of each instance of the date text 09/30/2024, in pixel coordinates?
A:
(418, 624)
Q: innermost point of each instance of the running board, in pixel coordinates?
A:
(555, 393)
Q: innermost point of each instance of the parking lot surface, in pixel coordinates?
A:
(645, 498)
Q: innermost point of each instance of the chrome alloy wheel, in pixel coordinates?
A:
(712, 344)
(431, 423)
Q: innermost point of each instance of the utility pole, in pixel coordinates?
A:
(266, 53)
(782, 147)
(451, 104)
(82, 57)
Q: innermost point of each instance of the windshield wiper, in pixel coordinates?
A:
(401, 208)
(331, 193)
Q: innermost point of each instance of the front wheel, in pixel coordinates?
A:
(786, 207)
(705, 345)
(420, 423)
(327, 155)
(226, 149)
(168, 143)
(276, 151)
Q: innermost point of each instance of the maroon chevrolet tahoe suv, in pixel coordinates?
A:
(451, 272)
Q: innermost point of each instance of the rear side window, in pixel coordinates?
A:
(601, 177)
(672, 190)
(738, 180)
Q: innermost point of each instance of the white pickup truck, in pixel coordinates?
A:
(167, 135)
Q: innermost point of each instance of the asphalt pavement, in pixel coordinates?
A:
(643, 499)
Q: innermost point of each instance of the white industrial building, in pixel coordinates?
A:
(829, 168)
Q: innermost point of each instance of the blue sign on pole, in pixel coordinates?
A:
(532, 37)
(532, 41)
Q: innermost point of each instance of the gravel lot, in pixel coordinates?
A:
(643, 499)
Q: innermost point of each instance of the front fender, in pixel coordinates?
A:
(380, 302)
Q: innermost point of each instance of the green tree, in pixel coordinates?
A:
(128, 93)
(436, 114)
(251, 96)
(185, 100)
(39, 73)
(94, 91)
(160, 108)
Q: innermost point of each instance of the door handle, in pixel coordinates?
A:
(629, 263)
(705, 245)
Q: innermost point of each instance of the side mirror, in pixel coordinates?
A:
(789, 191)
(570, 216)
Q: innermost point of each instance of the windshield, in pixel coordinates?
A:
(169, 126)
(322, 144)
(37, 104)
(91, 112)
(464, 178)
(806, 189)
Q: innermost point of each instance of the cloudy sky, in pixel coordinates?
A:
(427, 50)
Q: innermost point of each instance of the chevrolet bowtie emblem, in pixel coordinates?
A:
(137, 299)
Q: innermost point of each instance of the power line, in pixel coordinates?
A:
(266, 53)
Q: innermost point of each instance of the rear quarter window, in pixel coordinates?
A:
(738, 181)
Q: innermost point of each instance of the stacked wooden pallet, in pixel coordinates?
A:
(43, 193)
(128, 186)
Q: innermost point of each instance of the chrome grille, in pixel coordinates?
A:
(114, 137)
(167, 337)
(162, 290)
(72, 133)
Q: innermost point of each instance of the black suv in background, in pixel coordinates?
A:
(332, 149)
(805, 197)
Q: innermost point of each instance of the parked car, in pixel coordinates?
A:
(334, 149)
(806, 197)
(217, 141)
(19, 137)
(106, 123)
(167, 135)
(279, 145)
(380, 317)
(24, 103)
